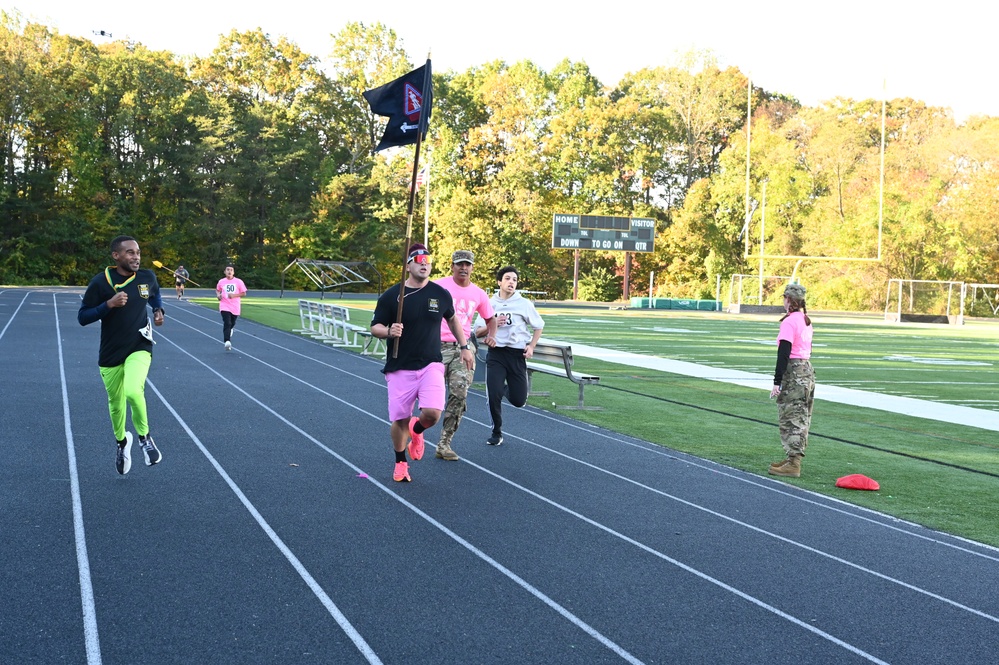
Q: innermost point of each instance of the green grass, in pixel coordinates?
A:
(939, 363)
(941, 475)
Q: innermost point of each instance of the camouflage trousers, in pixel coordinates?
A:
(794, 406)
(458, 378)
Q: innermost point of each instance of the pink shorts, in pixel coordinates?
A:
(406, 386)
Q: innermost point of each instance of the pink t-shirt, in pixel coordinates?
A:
(794, 330)
(467, 301)
(230, 287)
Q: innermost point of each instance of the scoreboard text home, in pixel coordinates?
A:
(623, 234)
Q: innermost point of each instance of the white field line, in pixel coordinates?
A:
(948, 413)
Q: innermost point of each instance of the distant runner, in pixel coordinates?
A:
(180, 279)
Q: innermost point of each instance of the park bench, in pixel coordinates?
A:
(555, 359)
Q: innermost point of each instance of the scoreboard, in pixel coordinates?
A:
(623, 234)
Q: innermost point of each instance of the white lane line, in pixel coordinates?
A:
(521, 582)
(14, 314)
(90, 634)
(310, 581)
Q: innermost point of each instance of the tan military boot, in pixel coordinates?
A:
(444, 452)
(781, 463)
(791, 468)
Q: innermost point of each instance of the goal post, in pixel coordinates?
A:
(924, 301)
(980, 300)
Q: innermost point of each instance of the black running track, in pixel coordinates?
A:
(272, 531)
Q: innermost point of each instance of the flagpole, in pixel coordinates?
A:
(426, 201)
(412, 199)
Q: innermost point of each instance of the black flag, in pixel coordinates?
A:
(404, 101)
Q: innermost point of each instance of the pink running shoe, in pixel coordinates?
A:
(401, 473)
(416, 445)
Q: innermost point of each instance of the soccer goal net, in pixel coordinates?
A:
(924, 301)
(981, 300)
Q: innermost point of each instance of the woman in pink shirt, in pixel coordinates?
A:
(229, 290)
(794, 381)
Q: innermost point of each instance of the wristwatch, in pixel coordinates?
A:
(464, 347)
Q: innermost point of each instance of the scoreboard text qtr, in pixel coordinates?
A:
(623, 234)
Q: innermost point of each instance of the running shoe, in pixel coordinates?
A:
(228, 346)
(150, 450)
(416, 445)
(123, 458)
(495, 439)
(401, 473)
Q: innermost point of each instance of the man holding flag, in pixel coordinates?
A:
(413, 367)
(417, 372)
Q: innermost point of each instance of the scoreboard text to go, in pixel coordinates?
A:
(624, 234)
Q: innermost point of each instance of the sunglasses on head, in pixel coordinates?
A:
(420, 258)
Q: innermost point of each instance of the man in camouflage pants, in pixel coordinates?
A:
(468, 299)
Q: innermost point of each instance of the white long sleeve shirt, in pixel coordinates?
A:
(516, 319)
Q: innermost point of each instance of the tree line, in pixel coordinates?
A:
(259, 154)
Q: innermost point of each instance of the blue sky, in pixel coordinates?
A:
(813, 51)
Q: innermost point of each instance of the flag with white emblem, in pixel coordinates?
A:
(407, 105)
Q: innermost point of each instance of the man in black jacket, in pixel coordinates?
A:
(117, 297)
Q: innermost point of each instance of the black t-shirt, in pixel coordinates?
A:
(423, 309)
(120, 326)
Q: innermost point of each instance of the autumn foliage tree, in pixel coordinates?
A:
(260, 153)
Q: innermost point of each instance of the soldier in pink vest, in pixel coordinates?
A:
(794, 381)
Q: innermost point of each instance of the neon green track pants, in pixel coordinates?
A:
(126, 385)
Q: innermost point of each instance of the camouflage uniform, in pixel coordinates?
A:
(458, 378)
(794, 406)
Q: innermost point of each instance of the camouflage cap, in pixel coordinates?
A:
(794, 291)
(463, 256)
